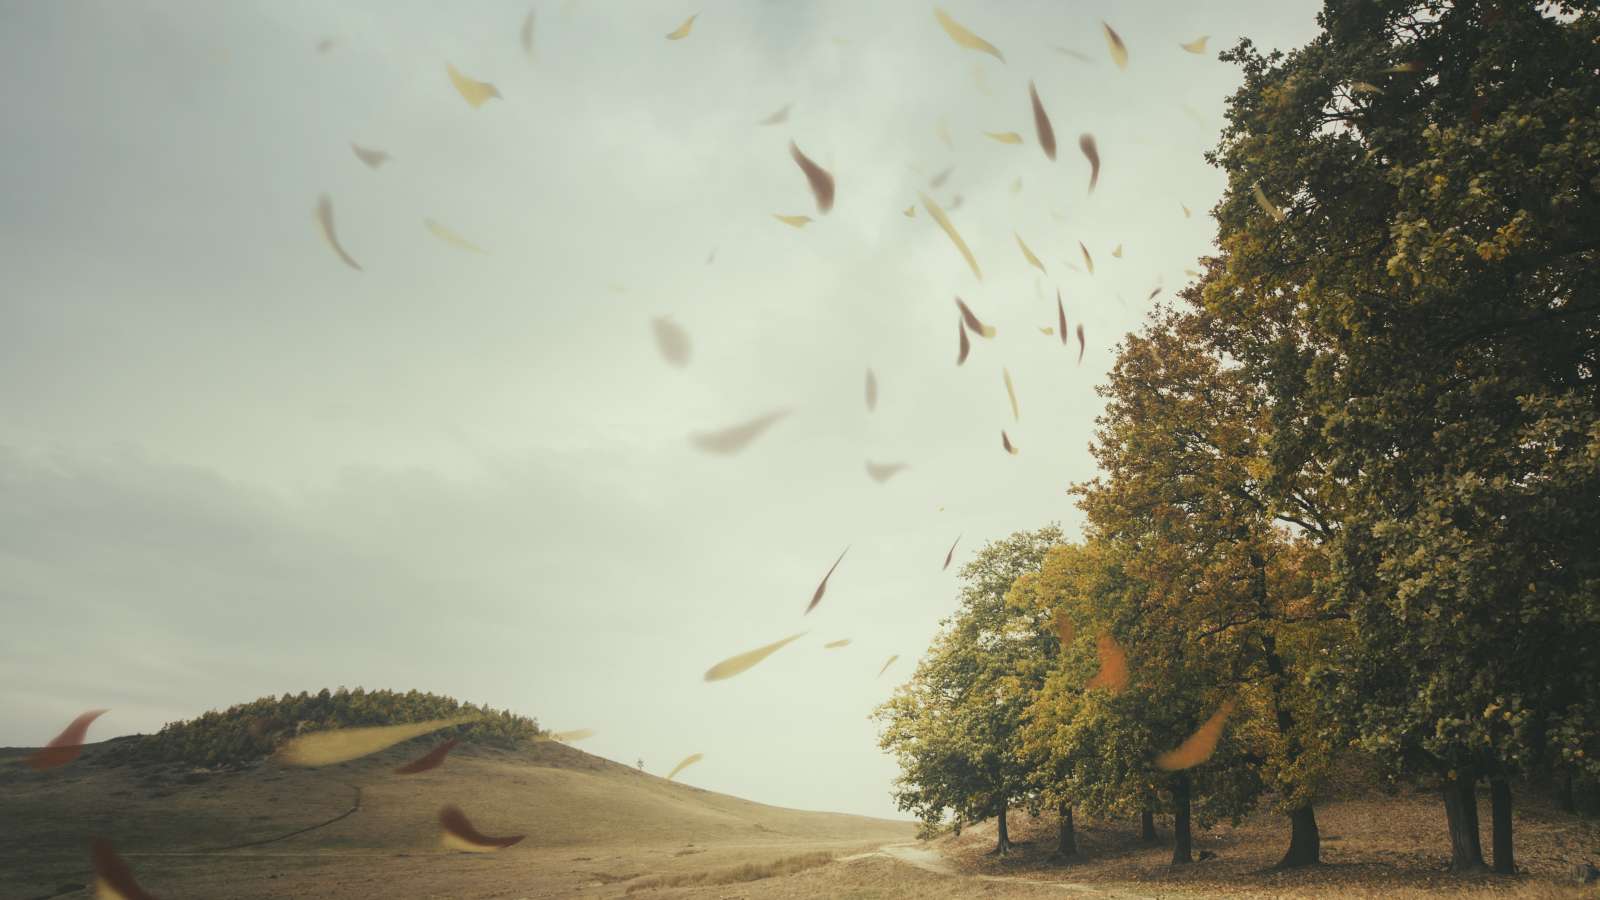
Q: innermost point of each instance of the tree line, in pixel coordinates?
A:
(1348, 498)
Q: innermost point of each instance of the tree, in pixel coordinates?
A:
(1421, 307)
(953, 726)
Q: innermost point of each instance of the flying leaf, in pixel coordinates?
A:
(1199, 746)
(1154, 293)
(1005, 137)
(460, 835)
(450, 237)
(433, 759)
(972, 320)
(1198, 45)
(1113, 674)
(324, 748)
(962, 36)
(576, 734)
(372, 158)
(1402, 68)
(1005, 441)
(778, 117)
(1117, 252)
(955, 202)
(942, 129)
(822, 586)
(113, 880)
(1075, 54)
(821, 182)
(327, 44)
(1047, 329)
(909, 212)
(1119, 50)
(688, 761)
(1011, 392)
(872, 391)
(735, 438)
(1185, 208)
(881, 472)
(1087, 259)
(66, 746)
(887, 664)
(325, 220)
(1064, 628)
(834, 645)
(734, 665)
(1264, 203)
(793, 221)
(951, 554)
(1191, 273)
(1041, 124)
(1092, 153)
(979, 79)
(682, 31)
(527, 34)
(475, 92)
(1016, 186)
(939, 179)
(1027, 253)
(671, 340)
(1061, 318)
(950, 231)
(966, 345)
(1080, 343)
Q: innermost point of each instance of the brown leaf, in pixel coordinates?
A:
(1005, 441)
(1080, 343)
(778, 117)
(1113, 674)
(737, 437)
(822, 586)
(1087, 259)
(430, 760)
(966, 345)
(66, 746)
(113, 878)
(881, 472)
(1119, 50)
(887, 664)
(972, 320)
(742, 662)
(672, 341)
(372, 158)
(821, 181)
(1061, 317)
(325, 220)
(527, 34)
(1064, 629)
(939, 179)
(1200, 745)
(460, 835)
(872, 391)
(1041, 124)
(1154, 293)
(951, 554)
(1092, 153)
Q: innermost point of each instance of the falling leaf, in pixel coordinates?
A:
(324, 748)
(881, 472)
(373, 158)
(733, 665)
(1080, 343)
(979, 79)
(955, 202)
(326, 44)
(939, 179)
(952, 553)
(887, 664)
(433, 759)
(909, 212)
(1402, 68)
(460, 835)
(1064, 628)
(475, 92)
(972, 320)
(1028, 254)
(1092, 153)
(950, 231)
(821, 182)
(1153, 293)
(1016, 186)
(577, 734)
(834, 645)
(1113, 674)
(1198, 45)
(735, 438)
(1005, 441)
(793, 221)
(1119, 50)
(962, 36)
(822, 586)
(966, 345)
(1185, 208)
(113, 880)
(872, 391)
(325, 220)
(1087, 259)
(1041, 124)
(1362, 87)
(1047, 329)
(1005, 137)
(688, 761)
(778, 117)
(527, 34)
(682, 31)
(671, 340)
(1191, 273)
(1261, 199)
(1011, 392)
(1117, 252)
(712, 256)
(1061, 318)
(1075, 54)
(450, 237)
(942, 130)
(66, 746)
(1200, 745)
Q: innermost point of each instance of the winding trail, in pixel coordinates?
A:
(930, 860)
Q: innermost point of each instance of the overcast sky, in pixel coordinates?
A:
(232, 466)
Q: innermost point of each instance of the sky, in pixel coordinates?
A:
(232, 466)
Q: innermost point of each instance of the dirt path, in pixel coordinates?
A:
(930, 860)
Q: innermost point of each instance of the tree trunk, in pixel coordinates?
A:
(1182, 840)
(1500, 817)
(1066, 836)
(1147, 827)
(1003, 845)
(1461, 809)
(1305, 842)
(1564, 795)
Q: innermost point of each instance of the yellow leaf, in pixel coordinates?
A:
(962, 36)
(1264, 203)
(887, 664)
(475, 92)
(324, 748)
(794, 221)
(682, 31)
(1028, 254)
(450, 237)
(950, 231)
(1119, 50)
(1005, 137)
(688, 761)
(1198, 45)
(734, 665)
(1011, 392)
